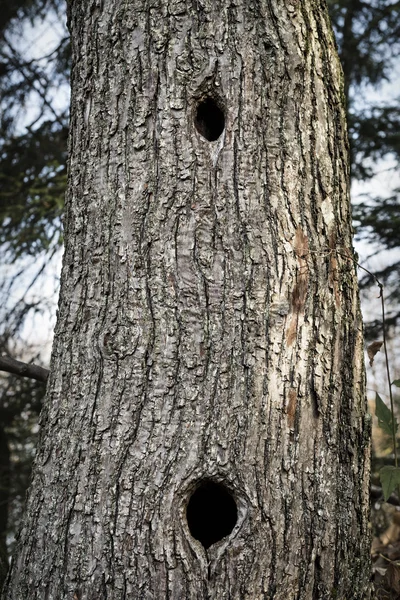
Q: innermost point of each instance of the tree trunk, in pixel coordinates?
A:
(205, 431)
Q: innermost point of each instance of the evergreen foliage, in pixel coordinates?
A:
(368, 37)
(21, 401)
(33, 144)
(33, 148)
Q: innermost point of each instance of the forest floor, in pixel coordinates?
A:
(385, 551)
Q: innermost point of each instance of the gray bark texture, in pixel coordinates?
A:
(209, 327)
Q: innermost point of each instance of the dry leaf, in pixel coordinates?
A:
(390, 535)
(372, 349)
(380, 570)
(393, 577)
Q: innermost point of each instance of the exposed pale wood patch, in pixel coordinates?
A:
(333, 270)
(291, 407)
(299, 292)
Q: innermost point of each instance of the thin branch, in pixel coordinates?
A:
(380, 285)
(17, 367)
(34, 77)
(388, 376)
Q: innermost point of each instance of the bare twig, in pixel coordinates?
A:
(17, 367)
(380, 285)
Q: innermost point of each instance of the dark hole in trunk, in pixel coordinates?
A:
(211, 513)
(209, 120)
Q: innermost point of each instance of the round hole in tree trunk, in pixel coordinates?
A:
(211, 513)
(209, 119)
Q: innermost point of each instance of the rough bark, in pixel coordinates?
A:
(209, 326)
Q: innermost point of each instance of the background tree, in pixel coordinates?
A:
(19, 411)
(368, 36)
(33, 134)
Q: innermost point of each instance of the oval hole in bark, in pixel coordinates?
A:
(211, 513)
(209, 119)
